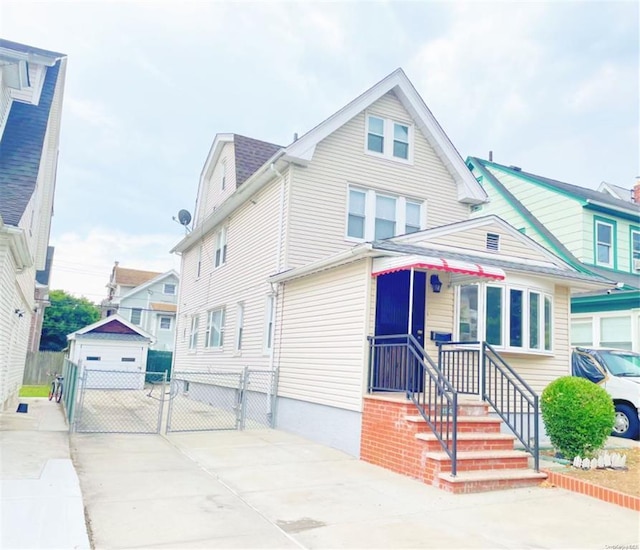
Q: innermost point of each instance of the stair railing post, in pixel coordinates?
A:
(536, 427)
(454, 437)
(483, 370)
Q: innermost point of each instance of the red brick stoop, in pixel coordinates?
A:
(395, 437)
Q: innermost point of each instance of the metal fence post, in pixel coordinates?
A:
(162, 393)
(242, 404)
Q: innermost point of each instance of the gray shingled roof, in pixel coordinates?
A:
(24, 48)
(113, 336)
(495, 262)
(21, 150)
(250, 155)
(579, 192)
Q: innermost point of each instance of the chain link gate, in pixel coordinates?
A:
(221, 400)
(120, 401)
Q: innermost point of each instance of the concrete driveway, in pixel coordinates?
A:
(269, 489)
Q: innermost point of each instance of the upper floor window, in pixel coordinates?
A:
(215, 328)
(193, 333)
(169, 288)
(223, 174)
(373, 216)
(388, 138)
(239, 325)
(199, 263)
(221, 247)
(604, 243)
(506, 317)
(635, 250)
(165, 323)
(136, 315)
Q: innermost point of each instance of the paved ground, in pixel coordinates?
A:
(269, 489)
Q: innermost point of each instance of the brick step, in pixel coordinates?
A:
(480, 480)
(471, 441)
(478, 424)
(480, 460)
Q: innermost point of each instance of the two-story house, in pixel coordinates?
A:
(308, 259)
(596, 231)
(148, 299)
(32, 84)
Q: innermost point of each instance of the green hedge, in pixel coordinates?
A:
(578, 416)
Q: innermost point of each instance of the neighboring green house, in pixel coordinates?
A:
(594, 231)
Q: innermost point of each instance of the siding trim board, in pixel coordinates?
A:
(588, 205)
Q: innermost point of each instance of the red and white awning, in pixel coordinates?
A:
(382, 266)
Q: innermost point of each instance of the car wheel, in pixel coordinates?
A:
(626, 422)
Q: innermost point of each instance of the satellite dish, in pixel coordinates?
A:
(184, 217)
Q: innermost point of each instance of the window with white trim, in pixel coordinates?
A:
(169, 288)
(193, 333)
(239, 325)
(199, 264)
(582, 332)
(506, 317)
(635, 250)
(223, 174)
(165, 323)
(388, 138)
(221, 248)
(268, 325)
(604, 243)
(372, 215)
(615, 332)
(136, 315)
(214, 337)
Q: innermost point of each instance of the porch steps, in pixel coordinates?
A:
(396, 438)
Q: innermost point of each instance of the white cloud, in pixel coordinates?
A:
(90, 112)
(82, 263)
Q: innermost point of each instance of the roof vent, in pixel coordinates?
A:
(493, 242)
(515, 168)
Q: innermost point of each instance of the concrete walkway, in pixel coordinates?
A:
(269, 489)
(40, 499)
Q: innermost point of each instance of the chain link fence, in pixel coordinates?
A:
(120, 401)
(221, 400)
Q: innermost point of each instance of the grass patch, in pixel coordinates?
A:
(34, 391)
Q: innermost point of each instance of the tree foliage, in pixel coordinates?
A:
(65, 315)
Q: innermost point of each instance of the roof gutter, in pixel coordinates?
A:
(18, 245)
(347, 256)
(630, 214)
(255, 182)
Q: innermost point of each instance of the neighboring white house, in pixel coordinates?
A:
(31, 92)
(293, 264)
(113, 350)
(147, 299)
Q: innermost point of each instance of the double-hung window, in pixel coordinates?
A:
(165, 323)
(193, 333)
(604, 237)
(506, 317)
(388, 138)
(169, 288)
(635, 250)
(372, 215)
(223, 175)
(239, 326)
(221, 247)
(214, 337)
(136, 315)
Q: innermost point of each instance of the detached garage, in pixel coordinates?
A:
(112, 353)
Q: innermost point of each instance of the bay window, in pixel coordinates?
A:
(506, 317)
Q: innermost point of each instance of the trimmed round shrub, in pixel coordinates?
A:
(578, 415)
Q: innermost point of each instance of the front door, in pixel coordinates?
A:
(400, 309)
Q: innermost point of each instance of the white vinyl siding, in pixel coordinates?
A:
(252, 234)
(322, 346)
(339, 162)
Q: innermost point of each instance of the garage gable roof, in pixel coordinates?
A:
(114, 324)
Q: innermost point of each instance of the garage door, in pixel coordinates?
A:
(113, 367)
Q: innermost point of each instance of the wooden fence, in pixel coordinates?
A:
(41, 366)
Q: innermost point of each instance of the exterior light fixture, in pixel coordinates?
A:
(436, 283)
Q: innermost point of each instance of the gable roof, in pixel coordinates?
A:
(129, 327)
(251, 154)
(31, 53)
(468, 188)
(616, 191)
(301, 152)
(150, 282)
(554, 243)
(21, 149)
(573, 191)
(132, 277)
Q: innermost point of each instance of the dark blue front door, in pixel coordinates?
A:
(394, 368)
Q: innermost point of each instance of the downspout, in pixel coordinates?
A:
(274, 288)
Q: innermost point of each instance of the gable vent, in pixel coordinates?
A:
(493, 242)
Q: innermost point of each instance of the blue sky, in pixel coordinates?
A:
(548, 86)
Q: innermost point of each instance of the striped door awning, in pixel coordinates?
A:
(382, 266)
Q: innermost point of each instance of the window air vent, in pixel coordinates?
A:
(493, 242)
(475, 207)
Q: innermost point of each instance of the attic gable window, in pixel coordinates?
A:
(223, 174)
(169, 288)
(493, 242)
(389, 138)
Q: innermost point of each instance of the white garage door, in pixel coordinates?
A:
(113, 367)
